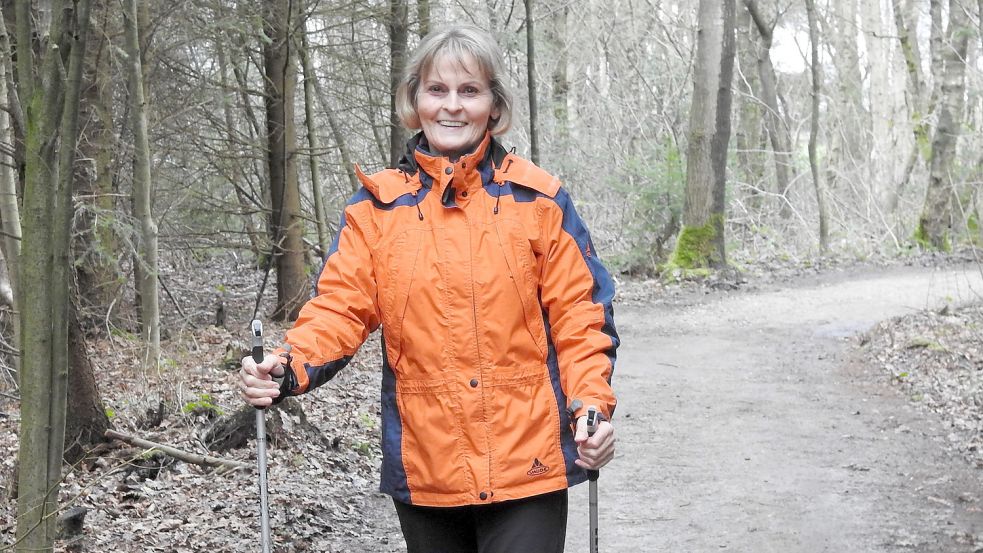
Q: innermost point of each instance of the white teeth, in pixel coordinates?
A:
(452, 123)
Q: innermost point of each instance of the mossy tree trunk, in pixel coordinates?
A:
(700, 241)
(51, 124)
(934, 223)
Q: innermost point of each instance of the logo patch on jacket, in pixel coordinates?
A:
(538, 468)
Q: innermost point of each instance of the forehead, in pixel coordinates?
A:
(447, 63)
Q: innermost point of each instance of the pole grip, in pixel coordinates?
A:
(593, 419)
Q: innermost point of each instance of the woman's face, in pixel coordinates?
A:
(454, 103)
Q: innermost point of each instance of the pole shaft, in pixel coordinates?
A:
(264, 501)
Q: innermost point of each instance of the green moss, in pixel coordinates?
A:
(695, 248)
(924, 241)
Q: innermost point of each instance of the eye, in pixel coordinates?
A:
(435, 89)
(471, 90)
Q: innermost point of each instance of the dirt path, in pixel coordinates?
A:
(743, 427)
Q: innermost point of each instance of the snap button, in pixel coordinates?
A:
(474, 382)
(449, 170)
(483, 496)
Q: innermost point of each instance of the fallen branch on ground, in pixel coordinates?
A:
(194, 458)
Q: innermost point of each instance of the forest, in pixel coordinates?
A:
(170, 170)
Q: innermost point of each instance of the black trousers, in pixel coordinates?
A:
(533, 525)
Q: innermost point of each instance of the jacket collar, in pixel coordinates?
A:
(464, 172)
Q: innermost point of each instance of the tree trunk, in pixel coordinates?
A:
(721, 135)
(323, 240)
(142, 185)
(557, 36)
(748, 134)
(531, 84)
(9, 210)
(423, 17)
(287, 227)
(817, 178)
(781, 142)
(87, 421)
(51, 122)
(934, 223)
(398, 37)
(98, 272)
(695, 245)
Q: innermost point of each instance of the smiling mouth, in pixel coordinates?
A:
(454, 124)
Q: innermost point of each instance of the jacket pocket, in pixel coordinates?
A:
(398, 264)
(433, 455)
(527, 426)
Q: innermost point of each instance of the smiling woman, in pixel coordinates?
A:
(454, 106)
(498, 330)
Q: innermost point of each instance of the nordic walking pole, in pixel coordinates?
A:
(592, 477)
(264, 502)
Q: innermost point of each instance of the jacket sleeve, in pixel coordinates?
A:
(334, 323)
(577, 292)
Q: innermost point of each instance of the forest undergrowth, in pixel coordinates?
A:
(325, 455)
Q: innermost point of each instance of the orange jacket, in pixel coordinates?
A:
(495, 313)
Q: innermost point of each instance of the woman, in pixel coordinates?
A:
(496, 317)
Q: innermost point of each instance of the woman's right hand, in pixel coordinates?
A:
(256, 384)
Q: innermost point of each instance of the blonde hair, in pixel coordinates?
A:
(460, 43)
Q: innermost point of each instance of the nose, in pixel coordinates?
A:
(452, 102)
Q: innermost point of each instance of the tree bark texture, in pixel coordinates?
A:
(934, 223)
(51, 122)
(87, 420)
(97, 247)
(695, 244)
(748, 135)
(531, 83)
(9, 210)
(398, 37)
(817, 177)
(423, 17)
(142, 186)
(286, 226)
(721, 135)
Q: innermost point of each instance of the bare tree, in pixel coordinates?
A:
(286, 224)
(935, 221)
(709, 132)
(52, 126)
(142, 185)
(781, 142)
(398, 36)
(817, 178)
(313, 144)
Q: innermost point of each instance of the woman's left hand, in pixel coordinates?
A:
(597, 450)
